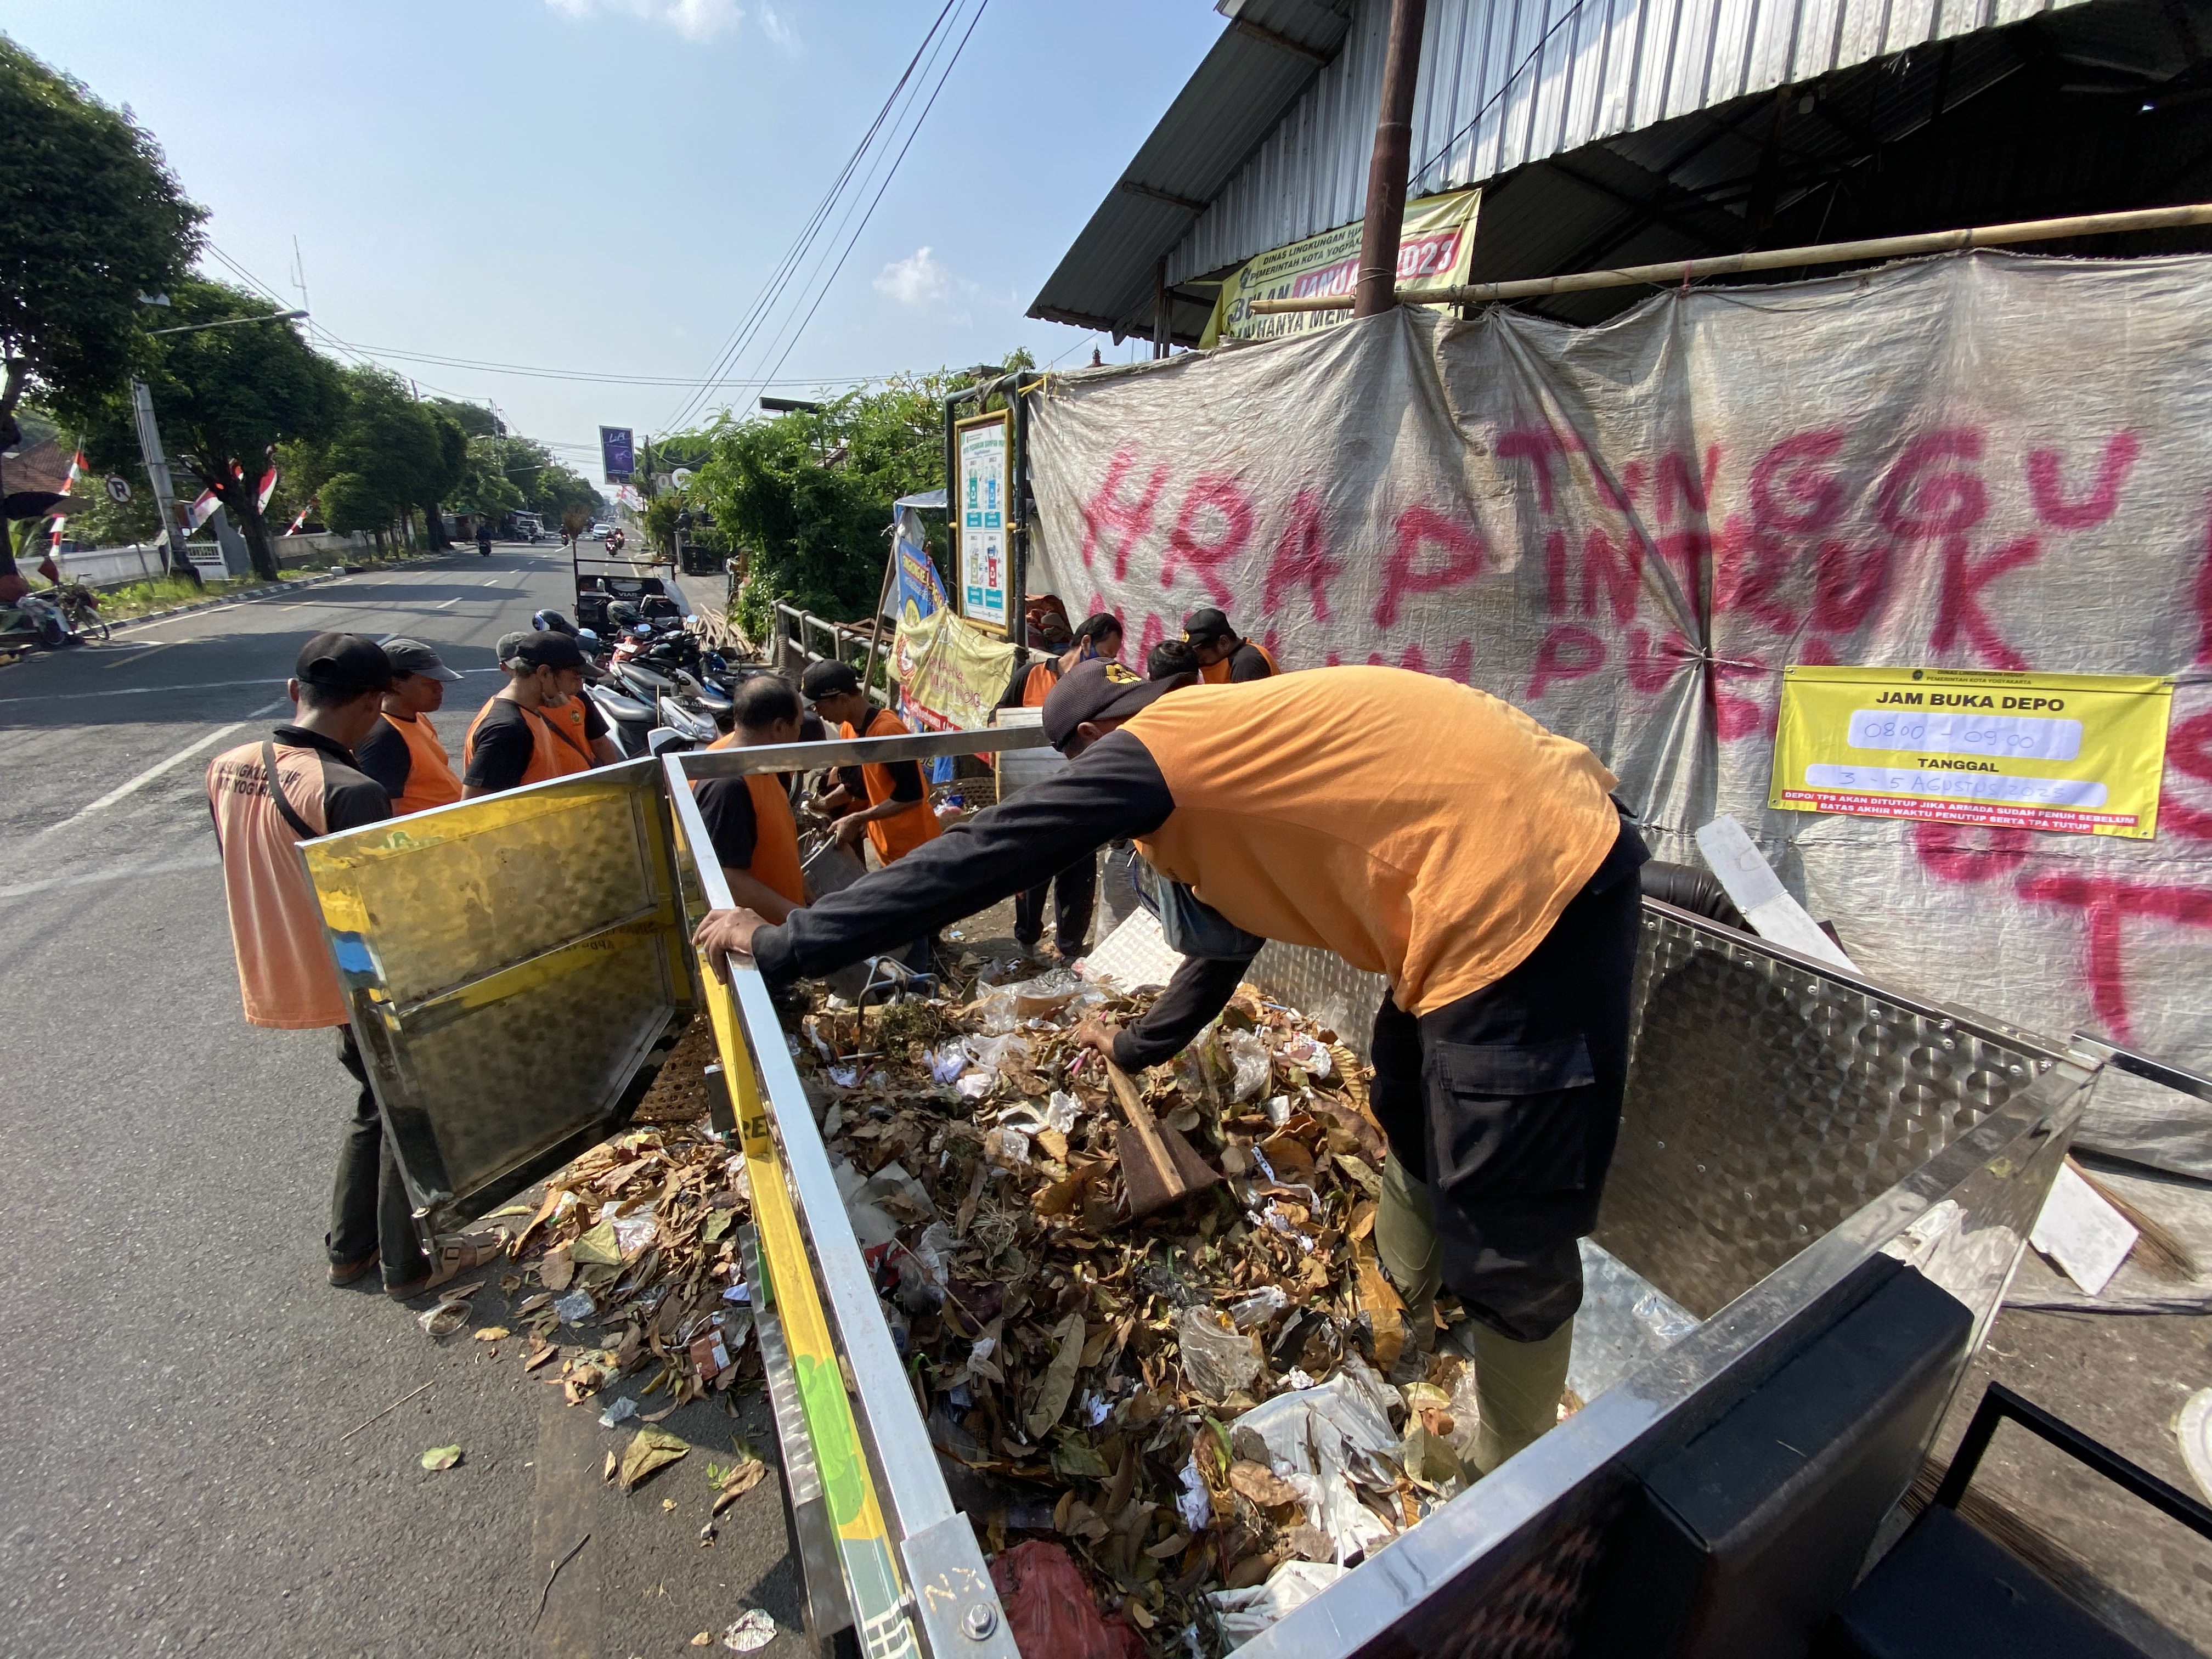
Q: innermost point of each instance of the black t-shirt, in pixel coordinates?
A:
(386, 757)
(501, 751)
(1245, 663)
(732, 825)
(350, 797)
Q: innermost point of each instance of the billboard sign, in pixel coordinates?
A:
(617, 454)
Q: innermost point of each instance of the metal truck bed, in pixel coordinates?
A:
(1801, 1150)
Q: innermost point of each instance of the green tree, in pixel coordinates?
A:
(386, 457)
(92, 218)
(452, 468)
(226, 397)
(485, 488)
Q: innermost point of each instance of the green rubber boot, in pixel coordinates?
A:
(1406, 1244)
(1517, 1387)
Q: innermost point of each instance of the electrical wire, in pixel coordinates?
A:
(1504, 86)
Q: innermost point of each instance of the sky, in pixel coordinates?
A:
(605, 187)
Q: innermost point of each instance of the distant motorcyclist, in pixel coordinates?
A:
(483, 537)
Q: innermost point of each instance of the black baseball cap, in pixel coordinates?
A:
(345, 663)
(1204, 627)
(546, 650)
(1097, 691)
(413, 657)
(827, 679)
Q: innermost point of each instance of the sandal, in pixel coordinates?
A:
(454, 1257)
(347, 1273)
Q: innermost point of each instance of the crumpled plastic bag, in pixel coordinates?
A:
(1321, 1440)
(1049, 1609)
(1242, 1614)
(1217, 1359)
(1248, 1060)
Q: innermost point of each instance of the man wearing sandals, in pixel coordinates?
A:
(284, 968)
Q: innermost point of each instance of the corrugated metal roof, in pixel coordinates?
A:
(1269, 52)
(1505, 83)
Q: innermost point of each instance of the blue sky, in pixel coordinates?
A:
(605, 185)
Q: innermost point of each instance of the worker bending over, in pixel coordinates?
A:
(898, 818)
(539, 725)
(404, 752)
(1223, 658)
(749, 819)
(1419, 829)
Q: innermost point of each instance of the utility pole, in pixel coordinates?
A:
(157, 475)
(1385, 222)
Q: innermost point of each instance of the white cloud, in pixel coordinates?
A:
(779, 30)
(919, 281)
(695, 20)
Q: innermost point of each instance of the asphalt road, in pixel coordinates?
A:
(179, 1373)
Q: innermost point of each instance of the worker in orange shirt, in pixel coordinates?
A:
(1099, 636)
(749, 819)
(899, 817)
(1073, 891)
(539, 725)
(266, 797)
(1223, 658)
(404, 752)
(1419, 829)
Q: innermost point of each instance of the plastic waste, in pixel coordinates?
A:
(575, 1308)
(752, 1629)
(1248, 1060)
(1326, 1439)
(1242, 1614)
(1217, 1359)
(1049, 1609)
(1309, 1054)
(618, 1413)
(1251, 1312)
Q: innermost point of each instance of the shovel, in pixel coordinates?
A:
(1157, 1164)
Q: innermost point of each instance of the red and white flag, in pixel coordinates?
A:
(302, 519)
(61, 512)
(202, 507)
(268, 489)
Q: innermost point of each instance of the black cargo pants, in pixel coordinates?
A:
(1506, 1104)
(370, 1211)
(1074, 898)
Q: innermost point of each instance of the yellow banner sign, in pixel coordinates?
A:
(2081, 754)
(951, 673)
(1435, 250)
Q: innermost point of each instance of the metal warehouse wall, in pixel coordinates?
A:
(1508, 82)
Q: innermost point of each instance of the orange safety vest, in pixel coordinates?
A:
(1038, 686)
(899, 835)
(285, 973)
(775, 831)
(554, 753)
(430, 780)
(567, 719)
(1216, 674)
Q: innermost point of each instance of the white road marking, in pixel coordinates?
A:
(456, 599)
(113, 873)
(141, 691)
(131, 787)
(143, 653)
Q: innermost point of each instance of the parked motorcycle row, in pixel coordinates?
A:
(655, 686)
(52, 618)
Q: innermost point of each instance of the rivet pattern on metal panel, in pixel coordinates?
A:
(1322, 986)
(1767, 1102)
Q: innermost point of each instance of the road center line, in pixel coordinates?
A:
(131, 787)
(456, 599)
(147, 650)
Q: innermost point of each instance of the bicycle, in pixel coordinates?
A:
(80, 608)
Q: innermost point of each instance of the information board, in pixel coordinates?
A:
(982, 515)
(2081, 754)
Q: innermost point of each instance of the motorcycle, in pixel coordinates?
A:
(80, 608)
(630, 720)
(33, 619)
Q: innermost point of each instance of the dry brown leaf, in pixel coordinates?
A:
(493, 1334)
(1172, 1545)
(649, 1452)
(1262, 1485)
(739, 1481)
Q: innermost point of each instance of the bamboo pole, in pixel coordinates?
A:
(1778, 258)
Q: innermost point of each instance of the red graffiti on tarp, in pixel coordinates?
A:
(1650, 667)
(1567, 653)
(1539, 446)
(1966, 852)
(1301, 560)
(1914, 499)
(2189, 752)
(1751, 563)
(1678, 485)
(2046, 488)
(1213, 493)
(1149, 635)
(2105, 904)
(1959, 605)
(1792, 486)
(1419, 528)
(1618, 569)
(1114, 524)
(1848, 583)
(2201, 594)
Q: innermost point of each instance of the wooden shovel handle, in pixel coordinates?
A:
(1140, 1116)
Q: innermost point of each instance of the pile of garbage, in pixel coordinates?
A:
(1217, 1409)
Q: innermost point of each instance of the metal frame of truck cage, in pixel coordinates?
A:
(1970, 1123)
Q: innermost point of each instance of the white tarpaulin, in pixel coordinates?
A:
(1983, 461)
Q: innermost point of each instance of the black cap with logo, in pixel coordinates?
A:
(345, 663)
(1097, 691)
(546, 650)
(1205, 627)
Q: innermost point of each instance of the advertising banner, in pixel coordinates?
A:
(1989, 463)
(951, 673)
(1435, 250)
(916, 593)
(2079, 754)
(617, 454)
(981, 518)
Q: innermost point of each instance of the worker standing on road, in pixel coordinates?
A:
(404, 753)
(749, 819)
(1100, 636)
(539, 725)
(1223, 658)
(266, 797)
(1419, 829)
(898, 818)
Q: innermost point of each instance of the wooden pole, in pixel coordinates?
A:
(1387, 167)
(1782, 258)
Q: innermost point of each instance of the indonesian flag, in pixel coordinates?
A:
(302, 519)
(76, 470)
(201, 510)
(268, 489)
